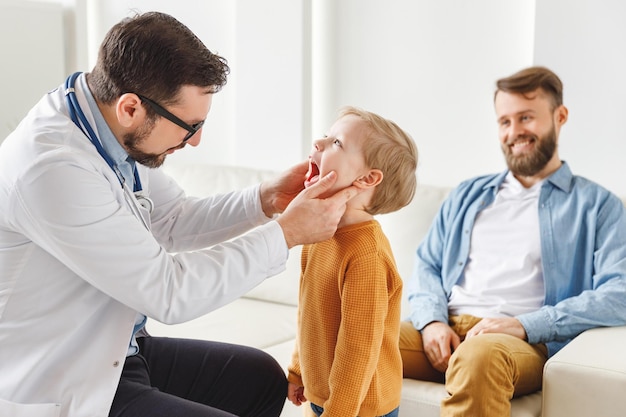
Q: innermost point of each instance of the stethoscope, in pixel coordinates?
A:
(78, 117)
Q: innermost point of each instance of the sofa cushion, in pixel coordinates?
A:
(282, 288)
(406, 228)
(245, 321)
(591, 373)
(421, 398)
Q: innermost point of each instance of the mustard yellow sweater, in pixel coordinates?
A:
(346, 354)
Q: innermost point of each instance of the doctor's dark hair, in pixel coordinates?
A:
(154, 55)
(529, 80)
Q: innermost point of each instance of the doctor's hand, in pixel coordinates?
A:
(439, 342)
(276, 194)
(310, 219)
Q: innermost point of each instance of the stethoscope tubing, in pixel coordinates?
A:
(135, 197)
(78, 117)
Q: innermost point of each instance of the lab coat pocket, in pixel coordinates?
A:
(8, 408)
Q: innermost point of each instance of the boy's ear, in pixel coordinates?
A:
(369, 180)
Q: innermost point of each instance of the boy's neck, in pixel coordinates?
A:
(355, 209)
(354, 216)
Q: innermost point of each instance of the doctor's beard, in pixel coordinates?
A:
(133, 139)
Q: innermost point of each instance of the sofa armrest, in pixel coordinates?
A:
(588, 376)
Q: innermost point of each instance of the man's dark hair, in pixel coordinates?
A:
(530, 79)
(154, 55)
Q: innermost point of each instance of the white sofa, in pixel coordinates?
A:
(587, 378)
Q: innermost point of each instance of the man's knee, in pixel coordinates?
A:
(502, 360)
(479, 350)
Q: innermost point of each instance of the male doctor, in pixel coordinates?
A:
(88, 234)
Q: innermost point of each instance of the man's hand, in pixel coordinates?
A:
(309, 219)
(506, 325)
(278, 193)
(295, 394)
(439, 342)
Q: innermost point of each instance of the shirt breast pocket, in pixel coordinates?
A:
(8, 408)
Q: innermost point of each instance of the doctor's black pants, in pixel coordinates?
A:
(193, 378)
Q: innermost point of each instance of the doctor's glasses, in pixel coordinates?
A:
(161, 111)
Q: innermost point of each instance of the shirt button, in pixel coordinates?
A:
(116, 364)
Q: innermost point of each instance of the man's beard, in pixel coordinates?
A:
(133, 139)
(529, 164)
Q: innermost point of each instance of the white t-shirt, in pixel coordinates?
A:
(503, 276)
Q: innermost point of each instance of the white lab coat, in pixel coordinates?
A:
(76, 266)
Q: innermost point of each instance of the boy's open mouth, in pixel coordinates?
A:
(313, 175)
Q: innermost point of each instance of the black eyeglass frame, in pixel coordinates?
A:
(161, 111)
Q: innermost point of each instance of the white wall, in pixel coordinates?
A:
(32, 50)
(430, 65)
(586, 47)
(214, 21)
(258, 118)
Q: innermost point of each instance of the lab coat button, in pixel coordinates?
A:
(116, 364)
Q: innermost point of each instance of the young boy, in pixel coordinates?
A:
(346, 361)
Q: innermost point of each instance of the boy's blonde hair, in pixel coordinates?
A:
(392, 150)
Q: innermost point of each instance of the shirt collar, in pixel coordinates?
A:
(561, 178)
(110, 144)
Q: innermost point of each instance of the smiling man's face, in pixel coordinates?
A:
(528, 131)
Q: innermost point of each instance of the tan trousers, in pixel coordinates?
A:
(485, 372)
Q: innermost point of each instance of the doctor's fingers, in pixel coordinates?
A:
(309, 221)
(341, 197)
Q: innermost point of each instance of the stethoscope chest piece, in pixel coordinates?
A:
(145, 202)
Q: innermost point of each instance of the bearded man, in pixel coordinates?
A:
(515, 264)
(93, 242)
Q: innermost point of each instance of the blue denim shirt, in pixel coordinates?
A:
(583, 249)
